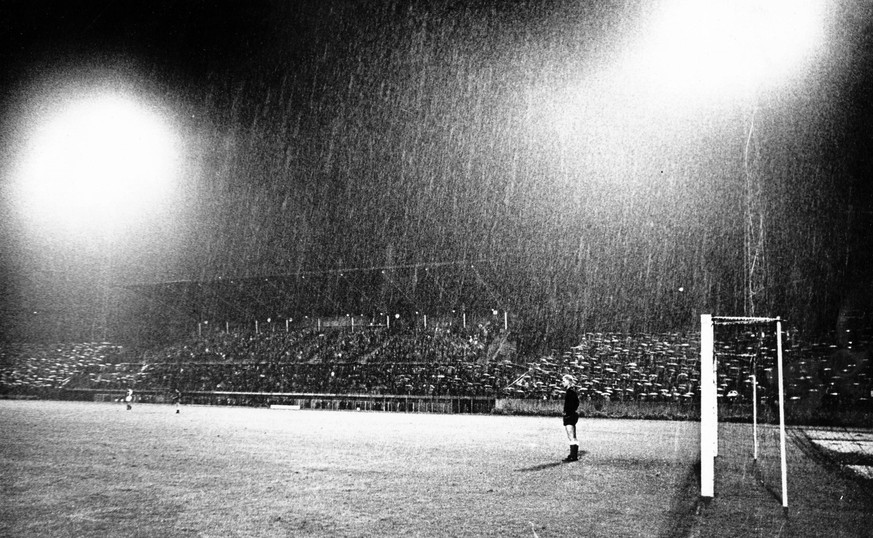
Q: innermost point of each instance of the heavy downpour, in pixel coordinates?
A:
(370, 267)
(560, 173)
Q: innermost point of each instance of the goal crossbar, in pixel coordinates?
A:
(739, 320)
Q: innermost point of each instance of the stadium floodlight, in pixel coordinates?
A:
(702, 49)
(709, 400)
(92, 160)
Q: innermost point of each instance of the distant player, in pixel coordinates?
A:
(571, 416)
(128, 399)
(177, 398)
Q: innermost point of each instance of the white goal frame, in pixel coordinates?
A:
(709, 401)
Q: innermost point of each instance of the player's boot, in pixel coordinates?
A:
(574, 454)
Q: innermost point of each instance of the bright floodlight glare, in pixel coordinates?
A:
(96, 162)
(713, 47)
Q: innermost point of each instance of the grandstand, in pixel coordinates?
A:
(440, 335)
(438, 367)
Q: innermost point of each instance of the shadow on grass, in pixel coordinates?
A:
(828, 461)
(685, 505)
(544, 466)
(771, 489)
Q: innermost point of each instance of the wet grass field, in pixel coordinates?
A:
(95, 469)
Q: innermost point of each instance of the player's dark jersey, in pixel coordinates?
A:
(571, 402)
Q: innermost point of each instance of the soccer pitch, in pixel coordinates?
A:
(92, 469)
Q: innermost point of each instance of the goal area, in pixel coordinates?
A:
(713, 385)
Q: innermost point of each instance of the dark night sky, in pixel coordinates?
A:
(322, 135)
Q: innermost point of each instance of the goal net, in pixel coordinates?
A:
(734, 353)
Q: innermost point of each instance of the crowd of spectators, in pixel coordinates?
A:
(611, 366)
(32, 368)
(443, 362)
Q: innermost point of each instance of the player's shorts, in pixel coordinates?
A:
(128, 399)
(571, 420)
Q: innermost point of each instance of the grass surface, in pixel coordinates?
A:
(92, 469)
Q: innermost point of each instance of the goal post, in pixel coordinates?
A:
(708, 408)
(709, 400)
